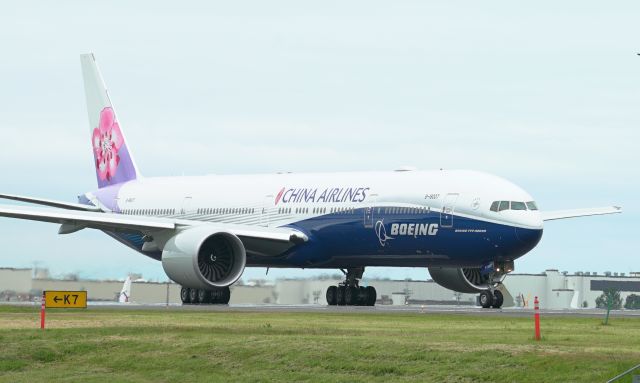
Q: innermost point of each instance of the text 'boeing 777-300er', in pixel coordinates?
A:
(466, 227)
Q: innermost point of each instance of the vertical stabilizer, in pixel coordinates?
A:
(112, 160)
(125, 293)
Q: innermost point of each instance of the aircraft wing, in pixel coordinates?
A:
(85, 219)
(257, 239)
(50, 202)
(562, 214)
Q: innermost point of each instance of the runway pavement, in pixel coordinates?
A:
(381, 309)
(387, 309)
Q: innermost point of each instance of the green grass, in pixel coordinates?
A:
(182, 346)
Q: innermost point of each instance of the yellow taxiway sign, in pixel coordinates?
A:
(66, 299)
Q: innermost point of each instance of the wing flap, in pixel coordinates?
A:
(573, 213)
(50, 202)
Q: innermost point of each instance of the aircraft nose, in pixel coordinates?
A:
(529, 238)
(525, 240)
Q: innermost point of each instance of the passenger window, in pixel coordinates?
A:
(518, 205)
(504, 205)
(494, 206)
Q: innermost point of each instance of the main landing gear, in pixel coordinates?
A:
(491, 299)
(350, 293)
(202, 297)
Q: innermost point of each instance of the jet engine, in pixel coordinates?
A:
(202, 258)
(464, 280)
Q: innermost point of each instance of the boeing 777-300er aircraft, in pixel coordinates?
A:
(466, 227)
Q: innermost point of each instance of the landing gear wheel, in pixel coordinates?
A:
(372, 296)
(486, 299)
(332, 291)
(184, 295)
(340, 296)
(498, 299)
(193, 296)
(204, 296)
(350, 296)
(362, 296)
(226, 295)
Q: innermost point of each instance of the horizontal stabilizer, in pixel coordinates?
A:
(562, 214)
(50, 202)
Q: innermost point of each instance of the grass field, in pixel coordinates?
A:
(182, 346)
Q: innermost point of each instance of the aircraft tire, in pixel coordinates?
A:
(226, 296)
(193, 296)
(204, 296)
(498, 299)
(340, 296)
(184, 296)
(486, 299)
(332, 291)
(350, 296)
(363, 297)
(372, 296)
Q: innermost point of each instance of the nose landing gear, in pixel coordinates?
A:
(350, 293)
(491, 299)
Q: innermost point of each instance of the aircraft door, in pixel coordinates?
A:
(267, 209)
(186, 205)
(369, 210)
(448, 208)
(368, 217)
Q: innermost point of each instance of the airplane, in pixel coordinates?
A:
(466, 227)
(125, 293)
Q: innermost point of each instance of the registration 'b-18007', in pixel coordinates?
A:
(466, 227)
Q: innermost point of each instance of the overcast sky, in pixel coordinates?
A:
(545, 94)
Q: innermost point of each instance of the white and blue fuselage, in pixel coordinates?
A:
(401, 218)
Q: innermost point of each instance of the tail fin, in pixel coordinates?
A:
(113, 162)
(125, 293)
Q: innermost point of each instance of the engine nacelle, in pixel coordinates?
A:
(203, 258)
(465, 280)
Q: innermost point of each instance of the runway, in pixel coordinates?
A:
(379, 309)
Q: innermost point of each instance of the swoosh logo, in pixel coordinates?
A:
(381, 232)
(279, 195)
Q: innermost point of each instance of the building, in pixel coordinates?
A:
(557, 290)
(15, 284)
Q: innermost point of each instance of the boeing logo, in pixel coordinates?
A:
(381, 232)
(404, 229)
(414, 229)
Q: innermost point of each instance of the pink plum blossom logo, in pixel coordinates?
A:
(107, 140)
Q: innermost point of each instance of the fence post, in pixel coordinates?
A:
(42, 306)
(536, 316)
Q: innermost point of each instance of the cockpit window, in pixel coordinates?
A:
(513, 205)
(518, 205)
(504, 205)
